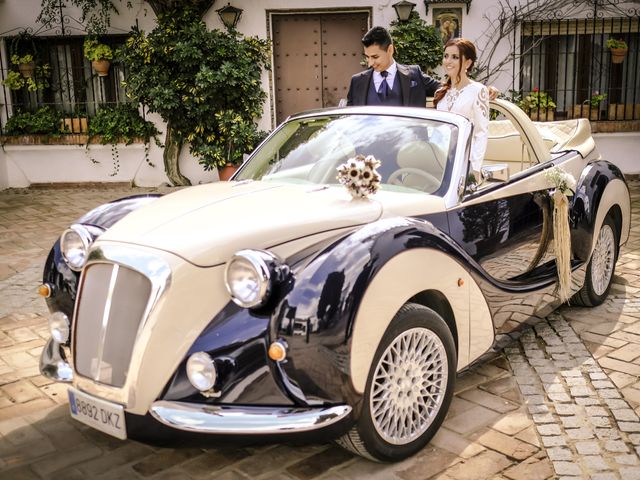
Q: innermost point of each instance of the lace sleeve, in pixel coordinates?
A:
(480, 127)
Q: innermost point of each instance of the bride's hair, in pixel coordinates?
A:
(467, 51)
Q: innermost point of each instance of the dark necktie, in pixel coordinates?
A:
(384, 86)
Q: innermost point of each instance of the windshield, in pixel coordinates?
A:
(414, 153)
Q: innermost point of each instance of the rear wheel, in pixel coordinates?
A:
(601, 267)
(409, 388)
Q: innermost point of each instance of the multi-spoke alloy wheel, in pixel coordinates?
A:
(409, 387)
(601, 267)
(603, 260)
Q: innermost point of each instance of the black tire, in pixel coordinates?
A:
(430, 357)
(601, 267)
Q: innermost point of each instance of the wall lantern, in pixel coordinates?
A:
(230, 16)
(403, 10)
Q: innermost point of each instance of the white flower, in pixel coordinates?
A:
(359, 175)
(561, 180)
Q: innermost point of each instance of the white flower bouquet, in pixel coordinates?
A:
(360, 176)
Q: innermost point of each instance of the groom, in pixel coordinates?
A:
(387, 82)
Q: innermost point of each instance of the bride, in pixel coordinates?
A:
(460, 94)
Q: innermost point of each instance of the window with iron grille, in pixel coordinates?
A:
(570, 61)
(74, 89)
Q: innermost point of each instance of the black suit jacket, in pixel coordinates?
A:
(415, 86)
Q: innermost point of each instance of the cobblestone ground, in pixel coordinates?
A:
(560, 403)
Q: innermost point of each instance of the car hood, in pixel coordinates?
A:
(207, 224)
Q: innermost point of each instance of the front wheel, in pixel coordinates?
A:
(409, 387)
(601, 267)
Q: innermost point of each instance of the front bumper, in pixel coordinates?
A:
(246, 420)
(53, 362)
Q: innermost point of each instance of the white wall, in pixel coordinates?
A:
(4, 179)
(620, 149)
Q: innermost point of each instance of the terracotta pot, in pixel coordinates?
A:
(618, 54)
(101, 67)
(227, 171)
(27, 69)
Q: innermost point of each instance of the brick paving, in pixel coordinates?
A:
(562, 402)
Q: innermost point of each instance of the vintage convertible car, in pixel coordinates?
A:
(278, 307)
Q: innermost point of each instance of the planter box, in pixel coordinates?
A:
(621, 111)
(542, 115)
(74, 125)
(585, 111)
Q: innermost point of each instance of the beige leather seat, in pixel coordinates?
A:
(425, 156)
(416, 157)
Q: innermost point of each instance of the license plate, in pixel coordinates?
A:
(97, 413)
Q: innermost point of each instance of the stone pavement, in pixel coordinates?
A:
(560, 403)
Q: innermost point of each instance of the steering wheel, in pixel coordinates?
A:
(430, 182)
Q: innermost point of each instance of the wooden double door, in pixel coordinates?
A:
(315, 55)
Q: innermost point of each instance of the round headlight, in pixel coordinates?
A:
(74, 245)
(59, 327)
(248, 278)
(201, 371)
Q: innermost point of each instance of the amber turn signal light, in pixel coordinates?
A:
(277, 351)
(45, 290)
(460, 282)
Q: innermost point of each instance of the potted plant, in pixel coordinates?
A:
(99, 54)
(35, 79)
(121, 123)
(25, 63)
(590, 108)
(539, 105)
(618, 49)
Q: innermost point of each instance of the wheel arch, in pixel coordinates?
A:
(430, 278)
(601, 190)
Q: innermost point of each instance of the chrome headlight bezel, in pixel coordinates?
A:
(76, 259)
(261, 265)
(201, 371)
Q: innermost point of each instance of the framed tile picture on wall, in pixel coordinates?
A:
(448, 22)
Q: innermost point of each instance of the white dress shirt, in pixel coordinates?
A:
(377, 78)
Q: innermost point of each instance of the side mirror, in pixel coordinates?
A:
(498, 172)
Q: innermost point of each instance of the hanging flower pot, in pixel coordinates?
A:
(618, 54)
(27, 69)
(101, 67)
(618, 49)
(99, 54)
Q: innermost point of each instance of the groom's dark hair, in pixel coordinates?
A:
(378, 36)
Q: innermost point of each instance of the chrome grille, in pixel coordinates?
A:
(113, 302)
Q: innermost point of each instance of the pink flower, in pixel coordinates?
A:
(536, 89)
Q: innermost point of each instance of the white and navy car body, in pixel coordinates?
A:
(275, 306)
